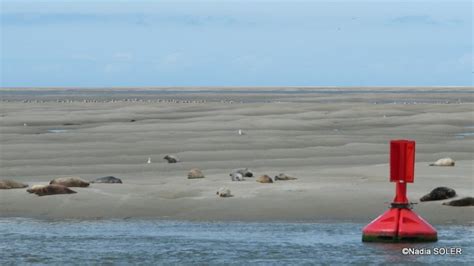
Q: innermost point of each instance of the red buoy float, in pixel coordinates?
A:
(400, 223)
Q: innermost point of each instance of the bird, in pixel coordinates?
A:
(149, 160)
(241, 132)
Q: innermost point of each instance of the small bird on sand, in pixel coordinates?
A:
(241, 132)
(149, 160)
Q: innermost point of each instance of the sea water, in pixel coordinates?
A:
(30, 241)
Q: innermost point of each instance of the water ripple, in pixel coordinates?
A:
(29, 241)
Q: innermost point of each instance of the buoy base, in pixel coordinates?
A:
(399, 225)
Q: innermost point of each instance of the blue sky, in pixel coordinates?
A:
(236, 43)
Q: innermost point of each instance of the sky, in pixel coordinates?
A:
(106, 43)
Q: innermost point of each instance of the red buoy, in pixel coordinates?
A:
(400, 223)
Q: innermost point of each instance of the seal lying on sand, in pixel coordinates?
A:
(439, 193)
(224, 192)
(244, 172)
(171, 158)
(264, 179)
(9, 184)
(443, 162)
(236, 177)
(195, 173)
(43, 190)
(467, 201)
(107, 179)
(282, 176)
(70, 182)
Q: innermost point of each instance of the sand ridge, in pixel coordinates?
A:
(336, 145)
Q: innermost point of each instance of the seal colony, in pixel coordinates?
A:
(61, 185)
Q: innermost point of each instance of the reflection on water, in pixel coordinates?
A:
(178, 242)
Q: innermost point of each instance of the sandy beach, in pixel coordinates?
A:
(335, 143)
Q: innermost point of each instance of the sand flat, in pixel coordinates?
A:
(336, 144)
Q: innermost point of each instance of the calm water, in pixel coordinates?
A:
(170, 242)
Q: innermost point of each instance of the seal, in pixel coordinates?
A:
(195, 173)
(224, 192)
(44, 190)
(70, 182)
(107, 179)
(467, 201)
(439, 193)
(284, 177)
(236, 177)
(171, 158)
(9, 184)
(443, 162)
(244, 172)
(264, 179)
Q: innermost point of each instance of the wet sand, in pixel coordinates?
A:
(336, 144)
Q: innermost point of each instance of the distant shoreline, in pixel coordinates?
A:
(260, 89)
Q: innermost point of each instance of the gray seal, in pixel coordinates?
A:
(224, 192)
(467, 201)
(171, 158)
(108, 180)
(284, 177)
(236, 177)
(439, 193)
(245, 172)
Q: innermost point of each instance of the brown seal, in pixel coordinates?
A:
(284, 177)
(9, 184)
(195, 173)
(70, 182)
(44, 190)
(264, 179)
